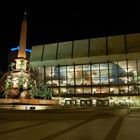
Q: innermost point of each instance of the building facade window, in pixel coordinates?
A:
(115, 78)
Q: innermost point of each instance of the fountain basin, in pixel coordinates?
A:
(29, 101)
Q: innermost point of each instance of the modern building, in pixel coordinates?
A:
(94, 71)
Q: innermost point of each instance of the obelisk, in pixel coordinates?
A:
(21, 61)
(23, 35)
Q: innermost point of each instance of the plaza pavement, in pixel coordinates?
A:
(68, 125)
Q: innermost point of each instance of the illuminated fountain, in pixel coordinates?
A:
(20, 83)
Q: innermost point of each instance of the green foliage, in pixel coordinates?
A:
(43, 92)
(8, 85)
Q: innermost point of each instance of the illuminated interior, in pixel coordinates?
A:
(105, 70)
(110, 78)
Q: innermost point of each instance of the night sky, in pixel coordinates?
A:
(53, 23)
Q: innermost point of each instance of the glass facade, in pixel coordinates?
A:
(104, 68)
(119, 77)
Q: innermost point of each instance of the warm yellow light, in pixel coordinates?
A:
(111, 89)
(15, 84)
(21, 64)
(79, 90)
(64, 90)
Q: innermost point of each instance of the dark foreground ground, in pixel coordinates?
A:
(68, 125)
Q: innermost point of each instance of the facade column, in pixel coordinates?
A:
(44, 67)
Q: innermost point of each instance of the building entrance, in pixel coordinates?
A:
(102, 103)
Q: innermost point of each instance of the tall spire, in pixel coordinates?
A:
(23, 35)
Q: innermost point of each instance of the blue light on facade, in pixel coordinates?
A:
(28, 50)
(17, 48)
(14, 49)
